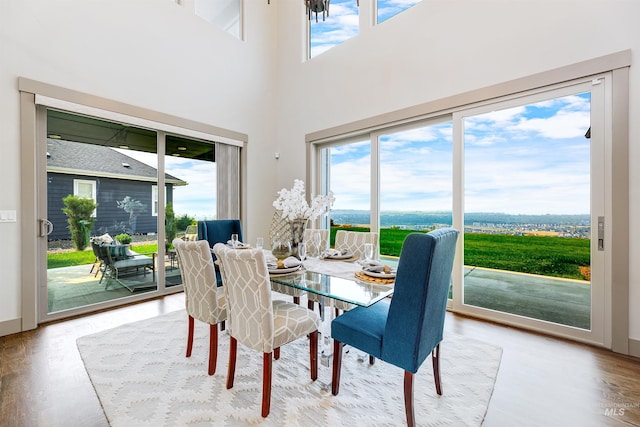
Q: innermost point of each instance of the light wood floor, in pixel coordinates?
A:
(542, 381)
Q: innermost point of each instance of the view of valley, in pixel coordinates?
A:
(489, 223)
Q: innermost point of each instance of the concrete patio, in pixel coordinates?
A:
(552, 299)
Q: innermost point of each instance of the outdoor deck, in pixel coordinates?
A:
(555, 300)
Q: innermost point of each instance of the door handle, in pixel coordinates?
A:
(46, 227)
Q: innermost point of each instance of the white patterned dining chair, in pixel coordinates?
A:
(257, 321)
(204, 300)
(352, 242)
(309, 239)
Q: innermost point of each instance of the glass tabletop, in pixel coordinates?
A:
(348, 290)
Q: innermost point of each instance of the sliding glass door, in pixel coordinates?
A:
(533, 169)
(523, 178)
(192, 164)
(110, 229)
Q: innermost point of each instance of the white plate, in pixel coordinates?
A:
(284, 270)
(345, 256)
(240, 246)
(379, 275)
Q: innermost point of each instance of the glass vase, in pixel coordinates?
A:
(298, 227)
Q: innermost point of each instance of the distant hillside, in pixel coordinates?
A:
(427, 219)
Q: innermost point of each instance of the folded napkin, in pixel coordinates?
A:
(288, 262)
(372, 266)
(376, 267)
(332, 252)
(239, 244)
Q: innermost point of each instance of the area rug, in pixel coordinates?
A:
(142, 378)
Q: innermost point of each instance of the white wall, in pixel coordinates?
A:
(153, 54)
(440, 48)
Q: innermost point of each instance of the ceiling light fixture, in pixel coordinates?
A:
(181, 148)
(317, 6)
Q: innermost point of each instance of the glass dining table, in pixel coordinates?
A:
(332, 280)
(352, 291)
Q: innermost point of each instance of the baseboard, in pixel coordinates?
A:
(634, 347)
(9, 327)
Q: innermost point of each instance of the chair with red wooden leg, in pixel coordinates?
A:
(204, 300)
(409, 328)
(257, 321)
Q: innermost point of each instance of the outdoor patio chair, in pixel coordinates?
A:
(119, 259)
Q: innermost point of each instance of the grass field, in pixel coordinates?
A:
(547, 256)
(70, 258)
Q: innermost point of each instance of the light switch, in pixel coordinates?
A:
(8, 216)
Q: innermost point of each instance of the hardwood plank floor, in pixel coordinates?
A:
(542, 381)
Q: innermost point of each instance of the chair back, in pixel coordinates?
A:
(191, 233)
(353, 241)
(199, 281)
(248, 291)
(100, 253)
(416, 314)
(219, 231)
(311, 247)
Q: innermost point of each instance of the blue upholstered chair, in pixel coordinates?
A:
(219, 231)
(404, 331)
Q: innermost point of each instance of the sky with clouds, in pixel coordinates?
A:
(343, 22)
(532, 159)
(196, 199)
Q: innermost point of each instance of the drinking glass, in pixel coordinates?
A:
(259, 243)
(302, 251)
(368, 251)
(234, 240)
(281, 249)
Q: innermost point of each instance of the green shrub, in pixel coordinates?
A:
(123, 238)
(184, 221)
(171, 229)
(79, 211)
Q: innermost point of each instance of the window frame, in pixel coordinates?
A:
(617, 64)
(93, 184)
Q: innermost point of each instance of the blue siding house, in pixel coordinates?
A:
(113, 179)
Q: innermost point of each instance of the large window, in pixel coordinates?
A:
(523, 178)
(341, 25)
(344, 21)
(528, 207)
(389, 8)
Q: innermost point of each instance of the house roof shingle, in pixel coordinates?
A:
(96, 160)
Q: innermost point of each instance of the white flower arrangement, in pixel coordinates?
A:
(293, 203)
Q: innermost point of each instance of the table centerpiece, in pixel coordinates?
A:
(298, 212)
